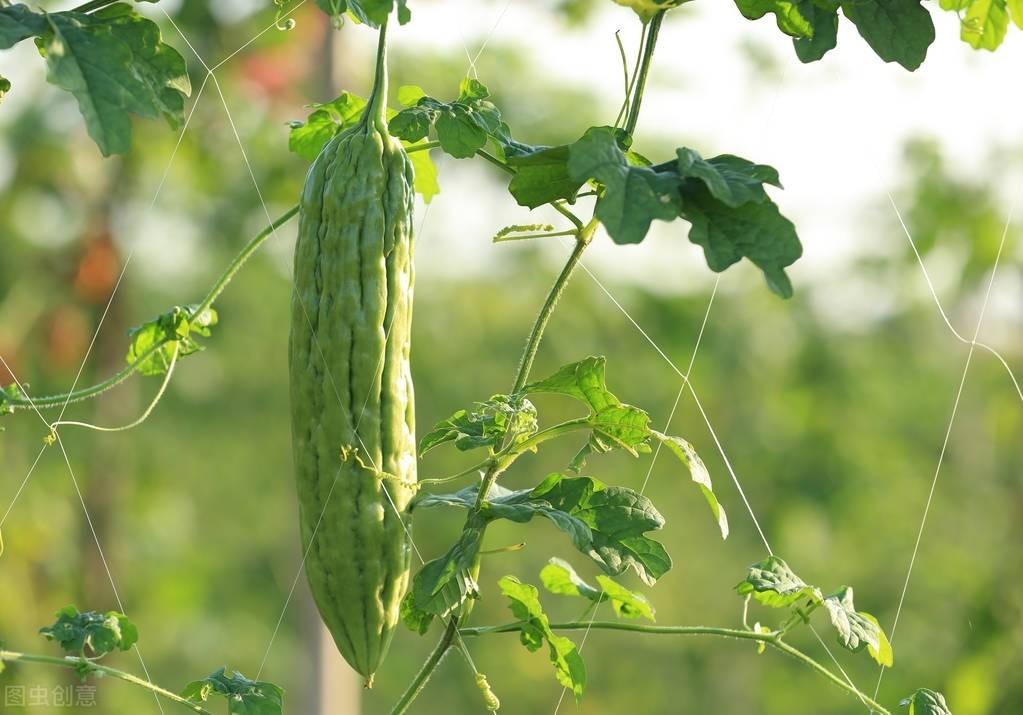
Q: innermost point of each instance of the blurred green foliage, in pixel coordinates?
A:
(833, 426)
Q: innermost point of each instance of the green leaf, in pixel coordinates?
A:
(487, 424)
(756, 231)
(857, 630)
(583, 380)
(926, 702)
(7, 394)
(1016, 10)
(19, 22)
(92, 634)
(626, 603)
(308, 138)
(175, 327)
(463, 126)
(606, 523)
(541, 176)
(985, 24)
(425, 178)
(244, 696)
(897, 30)
(772, 583)
(789, 14)
(443, 584)
(646, 9)
(633, 196)
(824, 22)
(698, 471)
(615, 521)
(368, 12)
(415, 619)
(115, 64)
(524, 602)
(410, 94)
(560, 578)
(732, 180)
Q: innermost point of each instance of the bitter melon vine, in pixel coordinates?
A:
(352, 396)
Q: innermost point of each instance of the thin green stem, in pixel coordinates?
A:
(632, 81)
(495, 469)
(527, 236)
(644, 71)
(474, 469)
(495, 161)
(423, 676)
(377, 110)
(52, 401)
(772, 639)
(88, 666)
(536, 335)
(423, 146)
(85, 393)
(508, 456)
(244, 255)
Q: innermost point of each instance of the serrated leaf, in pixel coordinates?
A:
(9, 394)
(698, 471)
(443, 584)
(369, 12)
(646, 9)
(985, 24)
(926, 702)
(897, 30)
(329, 119)
(824, 22)
(1016, 11)
(541, 176)
(633, 196)
(756, 231)
(626, 603)
(115, 64)
(308, 138)
(19, 22)
(463, 126)
(502, 418)
(732, 180)
(524, 602)
(607, 523)
(244, 696)
(856, 630)
(584, 380)
(772, 583)
(560, 578)
(789, 14)
(173, 328)
(90, 633)
(415, 619)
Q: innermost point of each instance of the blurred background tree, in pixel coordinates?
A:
(832, 406)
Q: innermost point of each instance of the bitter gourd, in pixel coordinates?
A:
(352, 406)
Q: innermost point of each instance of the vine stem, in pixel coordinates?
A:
(88, 666)
(218, 287)
(772, 639)
(653, 30)
(423, 676)
(584, 236)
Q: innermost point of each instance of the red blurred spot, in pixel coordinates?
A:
(67, 337)
(97, 269)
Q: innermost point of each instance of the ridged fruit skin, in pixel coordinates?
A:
(352, 402)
